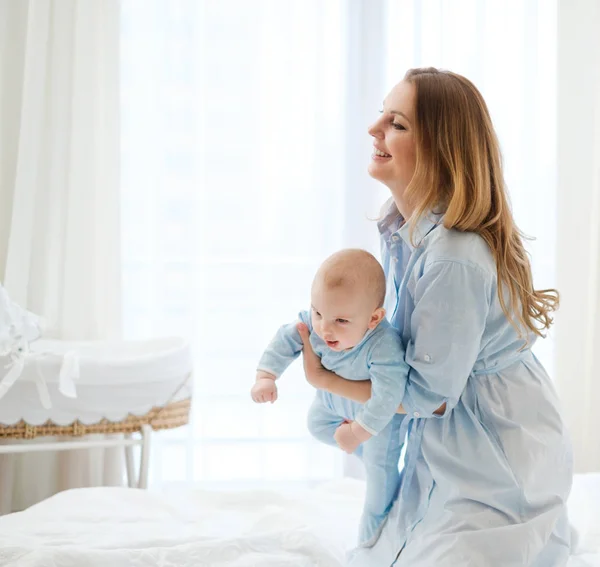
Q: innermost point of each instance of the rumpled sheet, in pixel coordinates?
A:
(119, 527)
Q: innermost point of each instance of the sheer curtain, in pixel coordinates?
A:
(244, 164)
(578, 257)
(234, 175)
(59, 185)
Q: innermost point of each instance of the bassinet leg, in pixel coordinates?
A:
(129, 462)
(145, 456)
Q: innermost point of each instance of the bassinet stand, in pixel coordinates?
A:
(174, 414)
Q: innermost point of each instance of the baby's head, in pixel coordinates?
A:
(347, 298)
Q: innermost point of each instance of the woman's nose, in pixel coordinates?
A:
(375, 130)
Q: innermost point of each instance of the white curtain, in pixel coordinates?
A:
(234, 172)
(59, 224)
(578, 229)
(245, 149)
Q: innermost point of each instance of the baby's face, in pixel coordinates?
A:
(341, 317)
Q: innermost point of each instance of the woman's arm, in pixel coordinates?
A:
(452, 300)
(322, 379)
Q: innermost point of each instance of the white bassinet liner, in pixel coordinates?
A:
(110, 379)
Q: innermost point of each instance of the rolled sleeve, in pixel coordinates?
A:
(388, 372)
(452, 302)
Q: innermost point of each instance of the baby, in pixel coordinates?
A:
(350, 334)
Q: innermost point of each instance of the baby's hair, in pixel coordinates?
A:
(354, 267)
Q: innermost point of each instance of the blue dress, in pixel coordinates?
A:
(486, 484)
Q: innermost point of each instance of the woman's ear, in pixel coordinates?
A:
(376, 317)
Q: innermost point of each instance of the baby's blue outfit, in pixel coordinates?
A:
(379, 357)
(486, 484)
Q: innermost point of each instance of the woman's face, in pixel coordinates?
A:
(393, 136)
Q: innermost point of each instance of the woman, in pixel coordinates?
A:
(487, 469)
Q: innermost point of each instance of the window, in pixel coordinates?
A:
(242, 144)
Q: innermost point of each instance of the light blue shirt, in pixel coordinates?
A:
(378, 357)
(487, 483)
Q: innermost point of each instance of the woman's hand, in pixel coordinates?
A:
(316, 375)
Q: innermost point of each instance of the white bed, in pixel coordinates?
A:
(125, 527)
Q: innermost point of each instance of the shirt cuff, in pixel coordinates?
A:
(418, 410)
(268, 371)
(360, 421)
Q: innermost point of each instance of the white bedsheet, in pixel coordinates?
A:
(118, 527)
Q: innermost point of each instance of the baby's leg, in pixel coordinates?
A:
(327, 413)
(323, 420)
(381, 456)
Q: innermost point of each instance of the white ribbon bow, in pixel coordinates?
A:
(69, 372)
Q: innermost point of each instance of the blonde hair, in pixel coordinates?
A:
(353, 267)
(459, 171)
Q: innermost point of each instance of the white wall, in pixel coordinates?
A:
(578, 236)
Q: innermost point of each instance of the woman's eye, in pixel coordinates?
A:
(398, 126)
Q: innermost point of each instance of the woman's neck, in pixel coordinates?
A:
(403, 207)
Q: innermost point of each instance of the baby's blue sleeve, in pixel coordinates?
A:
(389, 373)
(284, 348)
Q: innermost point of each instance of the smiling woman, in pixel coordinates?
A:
(394, 156)
(465, 306)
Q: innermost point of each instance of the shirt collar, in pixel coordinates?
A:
(393, 223)
(392, 220)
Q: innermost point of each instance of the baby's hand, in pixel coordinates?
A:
(345, 439)
(264, 389)
(350, 435)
